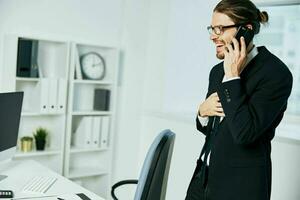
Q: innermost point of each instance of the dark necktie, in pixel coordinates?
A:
(204, 168)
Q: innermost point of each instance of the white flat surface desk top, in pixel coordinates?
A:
(20, 172)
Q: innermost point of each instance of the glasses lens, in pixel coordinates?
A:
(214, 30)
(210, 29)
(217, 30)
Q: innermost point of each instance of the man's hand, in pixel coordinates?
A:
(235, 59)
(211, 107)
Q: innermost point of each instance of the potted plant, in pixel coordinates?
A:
(40, 136)
(26, 143)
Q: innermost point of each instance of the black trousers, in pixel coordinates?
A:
(196, 190)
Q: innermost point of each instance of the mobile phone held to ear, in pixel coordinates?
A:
(247, 33)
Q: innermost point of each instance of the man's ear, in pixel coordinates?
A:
(249, 26)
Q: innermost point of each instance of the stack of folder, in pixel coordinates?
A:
(50, 96)
(92, 132)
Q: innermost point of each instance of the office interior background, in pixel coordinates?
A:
(164, 59)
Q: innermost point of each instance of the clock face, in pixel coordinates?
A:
(93, 65)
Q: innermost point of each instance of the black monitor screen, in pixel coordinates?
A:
(10, 112)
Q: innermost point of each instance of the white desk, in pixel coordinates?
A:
(19, 173)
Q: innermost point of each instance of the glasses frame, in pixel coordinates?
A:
(211, 29)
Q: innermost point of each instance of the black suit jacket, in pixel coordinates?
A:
(240, 163)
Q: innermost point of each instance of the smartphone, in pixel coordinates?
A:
(247, 33)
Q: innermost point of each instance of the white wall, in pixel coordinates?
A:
(179, 56)
(133, 65)
(190, 55)
(97, 20)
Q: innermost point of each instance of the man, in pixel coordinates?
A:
(246, 99)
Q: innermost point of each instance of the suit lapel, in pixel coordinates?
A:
(215, 83)
(217, 78)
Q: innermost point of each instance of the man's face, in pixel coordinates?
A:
(226, 36)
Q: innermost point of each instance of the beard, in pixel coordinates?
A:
(220, 55)
(220, 52)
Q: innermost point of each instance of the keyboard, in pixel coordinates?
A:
(39, 185)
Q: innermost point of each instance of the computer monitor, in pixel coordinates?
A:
(10, 112)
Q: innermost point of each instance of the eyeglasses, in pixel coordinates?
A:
(218, 30)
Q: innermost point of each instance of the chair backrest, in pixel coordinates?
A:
(153, 178)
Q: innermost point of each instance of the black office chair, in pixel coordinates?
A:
(153, 178)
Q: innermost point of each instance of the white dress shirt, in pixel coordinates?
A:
(204, 120)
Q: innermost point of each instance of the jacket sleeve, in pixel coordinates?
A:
(248, 117)
(200, 127)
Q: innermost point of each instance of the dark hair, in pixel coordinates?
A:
(243, 11)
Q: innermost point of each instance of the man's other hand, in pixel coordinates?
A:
(211, 107)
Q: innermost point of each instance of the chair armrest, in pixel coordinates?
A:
(124, 182)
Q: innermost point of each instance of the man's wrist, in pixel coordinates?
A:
(229, 76)
(230, 79)
(203, 120)
(199, 113)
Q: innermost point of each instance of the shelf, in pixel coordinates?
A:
(30, 114)
(37, 114)
(78, 113)
(81, 150)
(86, 172)
(27, 79)
(20, 154)
(92, 82)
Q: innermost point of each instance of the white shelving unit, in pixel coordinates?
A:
(70, 115)
(53, 63)
(91, 161)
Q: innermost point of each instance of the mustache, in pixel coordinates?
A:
(222, 41)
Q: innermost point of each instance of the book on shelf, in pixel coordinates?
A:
(101, 99)
(82, 135)
(61, 95)
(92, 132)
(96, 131)
(105, 122)
(39, 98)
(49, 96)
(52, 95)
(27, 65)
(78, 72)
